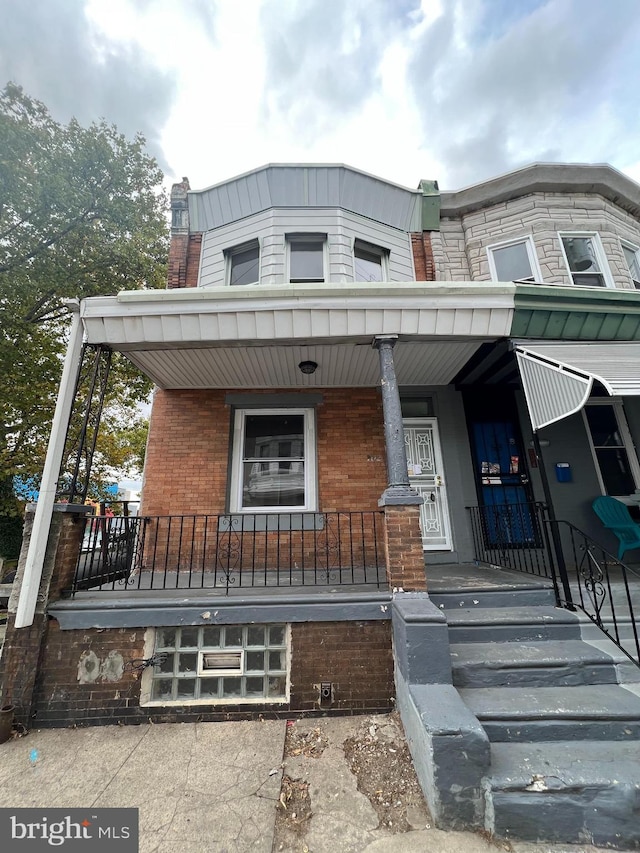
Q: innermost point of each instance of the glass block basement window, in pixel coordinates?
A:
(231, 664)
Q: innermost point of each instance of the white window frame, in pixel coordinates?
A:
(536, 274)
(310, 463)
(601, 257)
(636, 250)
(625, 433)
(308, 237)
(372, 249)
(235, 250)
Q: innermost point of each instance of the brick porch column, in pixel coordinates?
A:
(401, 503)
(21, 651)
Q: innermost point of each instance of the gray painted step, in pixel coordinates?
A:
(521, 597)
(510, 624)
(533, 664)
(598, 712)
(576, 790)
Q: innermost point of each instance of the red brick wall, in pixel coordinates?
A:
(188, 452)
(355, 657)
(184, 260)
(423, 256)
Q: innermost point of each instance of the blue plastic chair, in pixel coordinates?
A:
(615, 517)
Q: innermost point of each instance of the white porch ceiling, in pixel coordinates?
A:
(255, 336)
(339, 365)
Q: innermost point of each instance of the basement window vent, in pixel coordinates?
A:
(221, 663)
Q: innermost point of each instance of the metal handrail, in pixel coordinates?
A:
(604, 588)
(586, 577)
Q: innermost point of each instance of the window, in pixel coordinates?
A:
(243, 264)
(306, 257)
(632, 256)
(273, 460)
(514, 261)
(369, 262)
(237, 664)
(585, 260)
(612, 448)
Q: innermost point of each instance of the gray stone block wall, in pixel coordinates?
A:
(460, 248)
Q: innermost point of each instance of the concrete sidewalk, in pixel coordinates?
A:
(216, 787)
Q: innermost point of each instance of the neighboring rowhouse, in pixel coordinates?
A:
(353, 379)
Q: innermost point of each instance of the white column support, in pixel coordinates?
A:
(46, 499)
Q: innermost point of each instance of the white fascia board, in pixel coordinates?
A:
(225, 315)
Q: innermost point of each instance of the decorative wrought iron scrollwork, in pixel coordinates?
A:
(591, 577)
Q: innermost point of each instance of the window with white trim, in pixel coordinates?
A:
(370, 263)
(214, 664)
(306, 257)
(514, 260)
(243, 264)
(612, 447)
(273, 460)
(585, 260)
(632, 257)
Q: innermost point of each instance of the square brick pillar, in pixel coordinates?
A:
(21, 651)
(403, 548)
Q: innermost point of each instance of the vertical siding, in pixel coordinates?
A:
(342, 229)
(302, 186)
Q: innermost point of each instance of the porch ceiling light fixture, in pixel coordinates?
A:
(308, 367)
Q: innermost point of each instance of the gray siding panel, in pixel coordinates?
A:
(270, 227)
(302, 186)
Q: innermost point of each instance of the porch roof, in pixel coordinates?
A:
(257, 335)
(557, 378)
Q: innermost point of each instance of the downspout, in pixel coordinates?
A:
(53, 461)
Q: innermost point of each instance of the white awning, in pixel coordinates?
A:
(557, 378)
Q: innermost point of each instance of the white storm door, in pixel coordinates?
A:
(426, 475)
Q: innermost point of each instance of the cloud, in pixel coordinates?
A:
(323, 57)
(50, 48)
(555, 84)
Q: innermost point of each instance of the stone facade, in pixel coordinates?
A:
(460, 247)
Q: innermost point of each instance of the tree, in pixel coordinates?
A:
(81, 214)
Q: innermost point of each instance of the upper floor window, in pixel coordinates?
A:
(306, 257)
(514, 261)
(243, 264)
(369, 262)
(632, 256)
(585, 260)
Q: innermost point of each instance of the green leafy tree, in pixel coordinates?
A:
(82, 214)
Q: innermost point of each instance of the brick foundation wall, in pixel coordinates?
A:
(188, 452)
(85, 677)
(356, 657)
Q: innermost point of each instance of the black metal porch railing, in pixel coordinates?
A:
(602, 587)
(225, 552)
(513, 536)
(585, 576)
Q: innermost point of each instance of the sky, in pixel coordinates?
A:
(453, 90)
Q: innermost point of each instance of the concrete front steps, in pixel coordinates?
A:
(564, 733)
